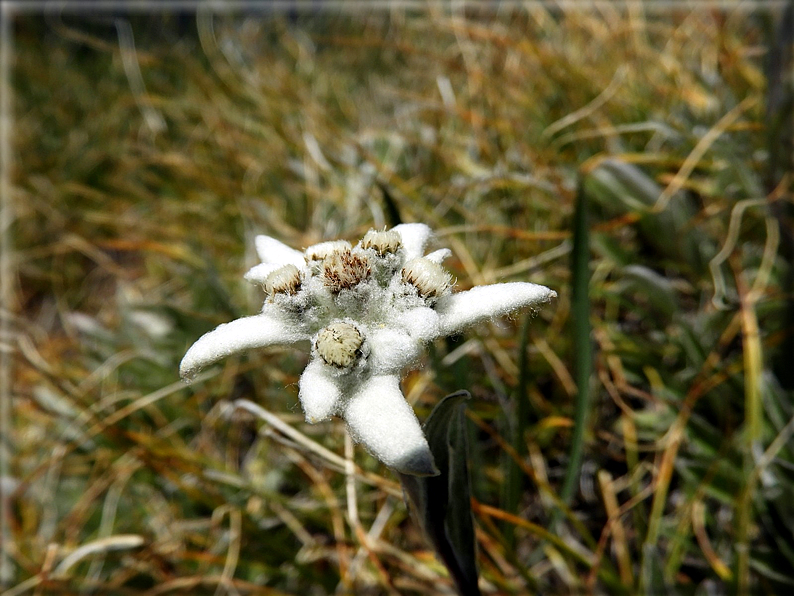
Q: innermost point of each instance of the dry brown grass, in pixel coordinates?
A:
(135, 205)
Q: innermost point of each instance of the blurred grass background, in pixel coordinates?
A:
(151, 148)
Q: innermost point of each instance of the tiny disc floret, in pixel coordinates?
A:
(339, 344)
(284, 280)
(429, 278)
(319, 252)
(344, 270)
(385, 242)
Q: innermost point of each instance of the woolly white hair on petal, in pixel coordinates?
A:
(319, 395)
(414, 237)
(379, 418)
(258, 273)
(438, 256)
(272, 251)
(484, 302)
(421, 322)
(238, 335)
(391, 350)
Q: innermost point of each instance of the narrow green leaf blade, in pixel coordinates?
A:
(583, 349)
(442, 504)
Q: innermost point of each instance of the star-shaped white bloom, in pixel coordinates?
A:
(367, 310)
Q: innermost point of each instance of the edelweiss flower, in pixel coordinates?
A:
(367, 311)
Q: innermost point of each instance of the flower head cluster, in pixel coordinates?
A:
(367, 310)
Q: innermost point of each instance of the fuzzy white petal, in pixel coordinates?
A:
(241, 334)
(438, 256)
(274, 252)
(483, 302)
(421, 323)
(378, 417)
(391, 350)
(258, 273)
(318, 393)
(414, 237)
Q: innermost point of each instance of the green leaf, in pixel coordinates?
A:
(620, 187)
(623, 182)
(656, 288)
(442, 504)
(652, 572)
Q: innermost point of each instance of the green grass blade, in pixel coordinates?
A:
(512, 489)
(583, 350)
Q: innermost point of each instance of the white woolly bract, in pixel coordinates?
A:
(239, 335)
(319, 394)
(378, 417)
(392, 350)
(439, 256)
(460, 310)
(258, 273)
(414, 237)
(271, 250)
(420, 322)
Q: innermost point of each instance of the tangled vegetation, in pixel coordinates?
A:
(635, 438)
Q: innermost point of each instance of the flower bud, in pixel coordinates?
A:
(344, 269)
(339, 344)
(429, 278)
(318, 252)
(386, 242)
(284, 280)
